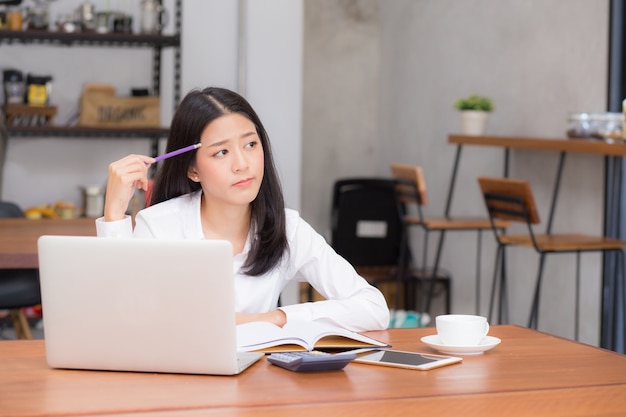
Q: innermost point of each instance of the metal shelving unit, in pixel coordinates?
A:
(115, 40)
(88, 38)
(79, 131)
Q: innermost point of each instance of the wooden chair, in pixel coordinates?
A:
(412, 191)
(511, 199)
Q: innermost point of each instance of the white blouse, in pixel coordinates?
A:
(351, 302)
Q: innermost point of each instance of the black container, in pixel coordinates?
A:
(123, 24)
(13, 83)
(139, 92)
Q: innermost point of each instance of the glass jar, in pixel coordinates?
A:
(94, 200)
(153, 16)
(607, 126)
(578, 125)
(37, 17)
(15, 18)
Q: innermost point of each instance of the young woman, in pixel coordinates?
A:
(229, 189)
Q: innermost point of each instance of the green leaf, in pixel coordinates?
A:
(474, 102)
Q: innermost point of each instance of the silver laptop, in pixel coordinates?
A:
(145, 305)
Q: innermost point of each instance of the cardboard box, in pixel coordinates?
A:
(100, 107)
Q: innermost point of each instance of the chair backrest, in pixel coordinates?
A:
(412, 186)
(509, 199)
(9, 209)
(367, 227)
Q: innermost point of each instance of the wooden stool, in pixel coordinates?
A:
(20, 324)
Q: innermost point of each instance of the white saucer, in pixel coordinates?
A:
(487, 343)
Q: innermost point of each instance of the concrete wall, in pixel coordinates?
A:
(380, 79)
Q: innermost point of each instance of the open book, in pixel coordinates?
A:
(299, 335)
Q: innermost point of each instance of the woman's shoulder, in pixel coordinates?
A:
(178, 217)
(296, 225)
(292, 218)
(291, 214)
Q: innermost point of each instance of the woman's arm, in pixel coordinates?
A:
(351, 302)
(277, 317)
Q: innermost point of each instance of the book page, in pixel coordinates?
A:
(259, 335)
(300, 335)
(324, 335)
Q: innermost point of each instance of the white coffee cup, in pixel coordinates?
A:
(461, 329)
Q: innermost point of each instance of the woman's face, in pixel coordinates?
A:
(229, 164)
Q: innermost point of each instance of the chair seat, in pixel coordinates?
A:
(456, 223)
(564, 242)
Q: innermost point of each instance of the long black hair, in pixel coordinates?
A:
(195, 112)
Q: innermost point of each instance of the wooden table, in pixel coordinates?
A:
(612, 323)
(18, 237)
(547, 144)
(529, 373)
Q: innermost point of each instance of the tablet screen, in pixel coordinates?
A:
(411, 360)
(405, 358)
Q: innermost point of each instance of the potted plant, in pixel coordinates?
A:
(474, 111)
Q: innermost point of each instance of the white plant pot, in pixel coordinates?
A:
(474, 122)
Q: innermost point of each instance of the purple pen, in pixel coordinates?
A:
(177, 152)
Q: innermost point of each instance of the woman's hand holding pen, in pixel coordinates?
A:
(125, 176)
